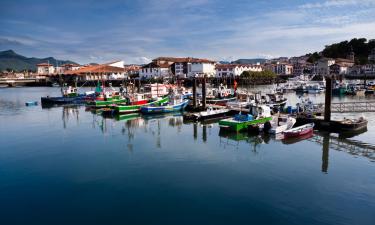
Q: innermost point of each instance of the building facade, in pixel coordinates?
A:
(323, 66)
(280, 68)
(235, 70)
(45, 69)
(179, 67)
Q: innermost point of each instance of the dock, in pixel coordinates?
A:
(347, 107)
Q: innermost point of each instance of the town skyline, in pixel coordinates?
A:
(138, 31)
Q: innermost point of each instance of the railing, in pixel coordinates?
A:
(349, 107)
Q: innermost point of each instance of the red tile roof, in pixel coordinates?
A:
(96, 69)
(182, 60)
(44, 64)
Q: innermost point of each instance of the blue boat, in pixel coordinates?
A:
(176, 104)
(69, 96)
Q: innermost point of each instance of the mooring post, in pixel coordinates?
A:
(195, 131)
(328, 98)
(325, 153)
(204, 93)
(204, 133)
(194, 93)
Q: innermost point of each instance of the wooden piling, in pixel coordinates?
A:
(194, 93)
(328, 99)
(204, 93)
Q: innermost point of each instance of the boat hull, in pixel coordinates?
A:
(164, 109)
(298, 134)
(100, 103)
(62, 100)
(220, 101)
(237, 126)
(121, 109)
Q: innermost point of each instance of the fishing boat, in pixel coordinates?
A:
(258, 115)
(106, 96)
(209, 114)
(135, 106)
(106, 99)
(276, 100)
(69, 96)
(175, 103)
(299, 131)
(281, 124)
(220, 96)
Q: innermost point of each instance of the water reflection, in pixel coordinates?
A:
(154, 124)
(68, 112)
(228, 138)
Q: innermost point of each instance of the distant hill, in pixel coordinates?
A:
(249, 61)
(11, 60)
(361, 48)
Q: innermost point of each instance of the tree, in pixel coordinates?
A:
(254, 76)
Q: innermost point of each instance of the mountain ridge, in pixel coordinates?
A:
(10, 60)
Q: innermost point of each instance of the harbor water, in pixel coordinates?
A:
(69, 165)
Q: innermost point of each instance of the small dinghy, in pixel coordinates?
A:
(32, 103)
(299, 131)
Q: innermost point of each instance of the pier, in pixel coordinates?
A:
(11, 82)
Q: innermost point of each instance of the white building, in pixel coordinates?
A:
(201, 67)
(182, 67)
(45, 69)
(153, 70)
(323, 66)
(233, 70)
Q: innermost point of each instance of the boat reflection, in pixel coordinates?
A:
(294, 140)
(232, 138)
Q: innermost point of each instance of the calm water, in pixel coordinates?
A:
(70, 166)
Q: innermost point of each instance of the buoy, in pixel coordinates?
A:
(31, 103)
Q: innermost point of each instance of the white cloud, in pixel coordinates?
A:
(337, 3)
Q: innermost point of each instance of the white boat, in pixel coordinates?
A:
(278, 126)
(210, 113)
(314, 89)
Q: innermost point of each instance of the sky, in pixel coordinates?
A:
(137, 31)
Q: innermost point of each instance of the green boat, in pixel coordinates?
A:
(241, 122)
(120, 109)
(126, 117)
(106, 102)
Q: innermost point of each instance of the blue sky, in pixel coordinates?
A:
(137, 31)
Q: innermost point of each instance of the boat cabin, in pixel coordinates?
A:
(69, 91)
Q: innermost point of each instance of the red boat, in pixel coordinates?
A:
(299, 131)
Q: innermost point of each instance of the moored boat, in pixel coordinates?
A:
(69, 96)
(136, 106)
(209, 114)
(241, 122)
(299, 131)
(279, 125)
(176, 103)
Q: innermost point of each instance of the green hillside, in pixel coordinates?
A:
(9, 60)
(361, 48)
